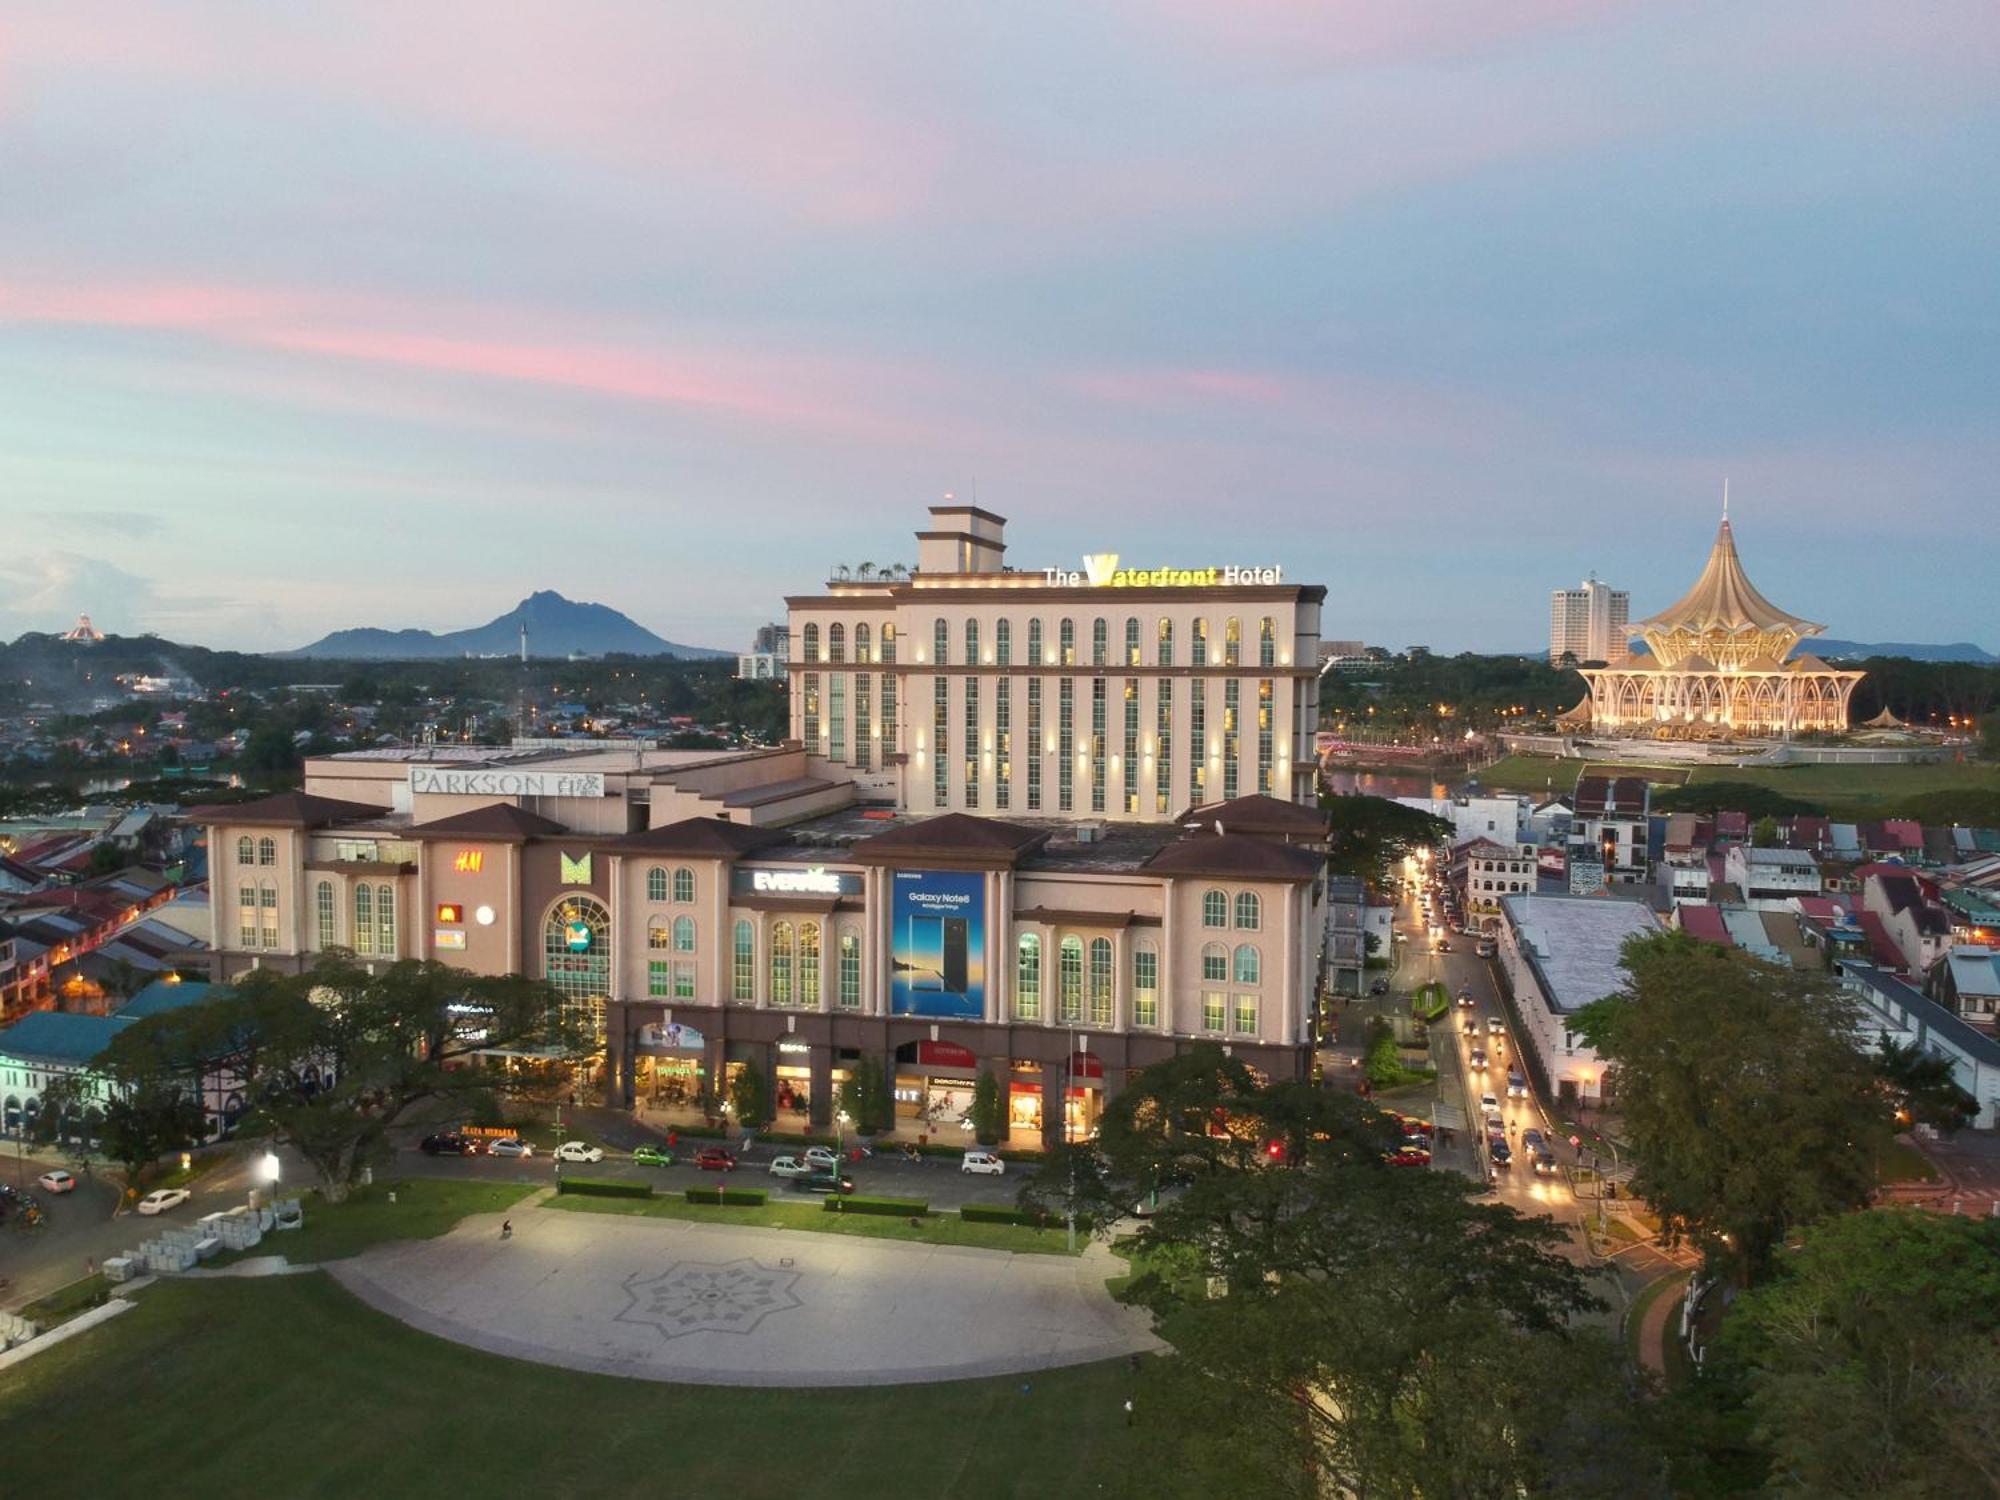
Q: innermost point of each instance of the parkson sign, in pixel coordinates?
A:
(1101, 571)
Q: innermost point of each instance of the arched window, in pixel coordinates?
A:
(1198, 641)
(783, 942)
(683, 934)
(1131, 643)
(940, 641)
(972, 643)
(1035, 643)
(659, 935)
(1232, 642)
(1249, 967)
(1100, 981)
(861, 645)
(1003, 643)
(364, 918)
(323, 912)
(1066, 643)
(267, 851)
(385, 919)
(812, 643)
(1069, 979)
(1165, 656)
(656, 884)
(576, 956)
(1249, 911)
(1214, 964)
(1028, 978)
(1267, 642)
(809, 964)
(743, 961)
(887, 640)
(1100, 641)
(848, 997)
(1214, 909)
(836, 642)
(683, 886)
(246, 852)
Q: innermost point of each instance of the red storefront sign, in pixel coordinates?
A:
(946, 1055)
(1086, 1065)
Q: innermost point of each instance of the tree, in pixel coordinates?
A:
(1367, 835)
(1923, 1087)
(1764, 833)
(144, 1122)
(750, 1096)
(106, 858)
(1871, 1358)
(1343, 1326)
(1749, 1104)
(65, 1118)
(865, 1096)
(334, 1059)
(989, 1110)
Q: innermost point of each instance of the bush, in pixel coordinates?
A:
(721, 1197)
(605, 1187)
(891, 1208)
(1430, 1002)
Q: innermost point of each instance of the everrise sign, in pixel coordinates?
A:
(1101, 570)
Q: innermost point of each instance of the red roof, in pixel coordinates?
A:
(1880, 944)
(1706, 923)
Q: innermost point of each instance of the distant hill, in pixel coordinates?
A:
(1914, 651)
(557, 627)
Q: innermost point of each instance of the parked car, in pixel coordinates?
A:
(821, 1182)
(159, 1201)
(580, 1151)
(652, 1156)
(714, 1159)
(57, 1181)
(450, 1144)
(1517, 1086)
(511, 1145)
(821, 1157)
(1478, 1059)
(983, 1162)
(791, 1166)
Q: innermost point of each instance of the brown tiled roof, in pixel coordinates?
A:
(954, 836)
(285, 810)
(1258, 813)
(497, 820)
(1235, 856)
(714, 837)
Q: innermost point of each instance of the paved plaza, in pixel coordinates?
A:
(710, 1304)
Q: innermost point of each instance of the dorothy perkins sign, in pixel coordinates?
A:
(439, 781)
(1101, 570)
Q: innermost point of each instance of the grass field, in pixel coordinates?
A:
(424, 1208)
(1848, 792)
(289, 1386)
(1902, 1162)
(809, 1217)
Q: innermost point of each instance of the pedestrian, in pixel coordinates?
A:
(506, 1229)
(1128, 1411)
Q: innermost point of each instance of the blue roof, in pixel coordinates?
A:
(163, 995)
(60, 1036)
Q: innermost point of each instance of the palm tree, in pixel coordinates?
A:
(864, 570)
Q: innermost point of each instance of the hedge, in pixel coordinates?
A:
(605, 1187)
(723, 1197)
(992, 1213)
(893, 1208)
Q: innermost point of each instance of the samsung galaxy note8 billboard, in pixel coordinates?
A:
(937, 951)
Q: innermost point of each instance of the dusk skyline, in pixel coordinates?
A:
(319, 317)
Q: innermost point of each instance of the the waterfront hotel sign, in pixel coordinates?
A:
(1101, 570)
(440, 781)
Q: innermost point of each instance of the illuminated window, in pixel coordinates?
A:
(1165, 653)
(576, 957)
(743, 962)
(1232, 642)
(1131, 643)
(861, 644)
(1145, 987)
(385, 919)
(1100, 981)
(1028, 979)
(1213, 1010)
(1069, 980)
(659, 979)
(783, 942)
(323, 913)
(1246, 1015)
(850, 970)
(888, 640)
(364, 919)
(809, 965)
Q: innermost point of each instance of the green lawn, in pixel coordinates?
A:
(779, 1213)
(289, 1386)
(66, 1302)
(1848, 792)
(424, 1208)
(1902, 1162)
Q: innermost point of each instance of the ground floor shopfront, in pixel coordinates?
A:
(663, 1060)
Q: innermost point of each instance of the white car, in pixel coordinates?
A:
(821, 1158)
(1495, 1026)
(792, 1166)
(57, 1181)
(983, 1162)
(1490, 1104)
(581, 1151)
(162, 1200)
(511, 1145)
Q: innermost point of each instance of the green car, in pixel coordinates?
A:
(653, 1156)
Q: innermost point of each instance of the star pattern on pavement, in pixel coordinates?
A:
(706, 1297)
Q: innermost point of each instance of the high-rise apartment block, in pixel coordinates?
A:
(1587, 623)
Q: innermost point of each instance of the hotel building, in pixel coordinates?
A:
(1071, 864)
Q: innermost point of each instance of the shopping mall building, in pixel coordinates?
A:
(1093, 845)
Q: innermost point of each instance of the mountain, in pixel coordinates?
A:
(1857, 650)
(556, 627)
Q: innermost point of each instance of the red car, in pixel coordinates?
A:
(714, 1159)
(1409, 1156)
